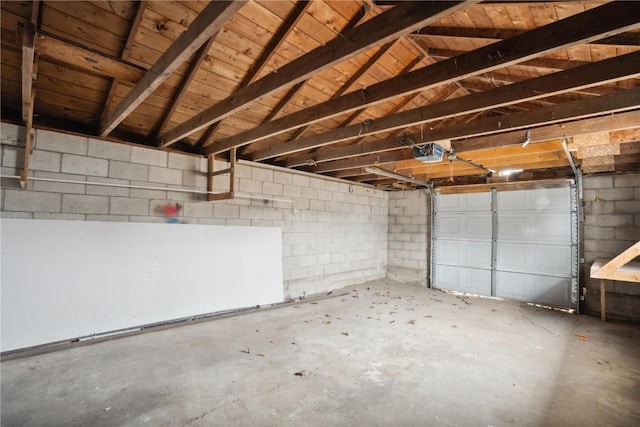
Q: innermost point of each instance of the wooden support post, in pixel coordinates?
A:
(603, 293)
(28, 147)
(212, 173)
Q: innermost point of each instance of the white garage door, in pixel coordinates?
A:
(518, 245)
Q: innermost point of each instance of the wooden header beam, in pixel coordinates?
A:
(400, 20)
(603, 21)
(212, 18)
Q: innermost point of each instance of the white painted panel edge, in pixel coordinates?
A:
(66, 279)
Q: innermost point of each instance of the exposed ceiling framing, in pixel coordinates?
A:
(338, 87)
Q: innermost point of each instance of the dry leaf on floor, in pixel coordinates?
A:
(581, 337)
(248, 350)
(300, 373)
(314, 303)
(261, 355)
(345, 333)
(412, 322)
(326, 322)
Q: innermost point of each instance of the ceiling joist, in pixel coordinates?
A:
(609, 19)
(201, 29)
(388, 26)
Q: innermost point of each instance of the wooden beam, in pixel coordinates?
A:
(274, 44)
(610, 70)
(603, 21)
(496, 34)
(381, 29)
(28, 143)
(623, 100)
(184, 84)
(626, 120)
(360, 162)
(27, 33)
(212, 18)
(61, 51)
(124, 54)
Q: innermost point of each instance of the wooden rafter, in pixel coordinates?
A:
(184, 84)
(620, 101)
(610, 70)
(212, 18)
(400, 20)
(274, 44)
(626, 120)
(496, 34)
(124, 54)
(606, 20)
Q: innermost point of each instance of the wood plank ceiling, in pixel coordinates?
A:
(338, 87)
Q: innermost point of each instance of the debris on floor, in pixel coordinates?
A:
(261, 355)
(412, 322)
(345, 333)
(248, 350)
(300, 373)
(581, 337)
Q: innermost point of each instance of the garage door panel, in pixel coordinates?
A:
(539, 200)
(539, 227)
(470, 254)
(464, 226)
(476, 202)
(549, 290)
(535, 259)
(463, 279)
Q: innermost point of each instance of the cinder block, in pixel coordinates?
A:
(149, 156)
(317, 205)
(226, 211)
(250, 186)
(58, 187)
(272, 189)
(627, 180)
(300, 180)
(46, 161)
(22, 215)
(284, 178)
(143, 193)
(632, 207)
(291, 191)
(109, 150)
(59, 216)
(261, 174)
(31, 201)
(11, 134)
(108, 218)
(611, 194)
(198, 210)
(251, 212)
(147, 219)
(324, 195)
(185, 162)
(318, 183)
(61, 142)
(596, 233)
(165, 175)
(199, 180)
(599, 208)
(242, 171)
(128, 206)
(339, 197)
(212, 221)
(332, 186)
(614, 220)
(12, 156)
(83, 165)
(598, 182)
(231, 222)
(308, 193)
(99, 190)
(272, 214)
(627, 233)
(73, 203)
(130, 171)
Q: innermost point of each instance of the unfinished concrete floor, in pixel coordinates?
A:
(386, 354)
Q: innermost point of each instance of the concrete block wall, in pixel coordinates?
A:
(611, 225)
(409, 236)
(334, 232)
